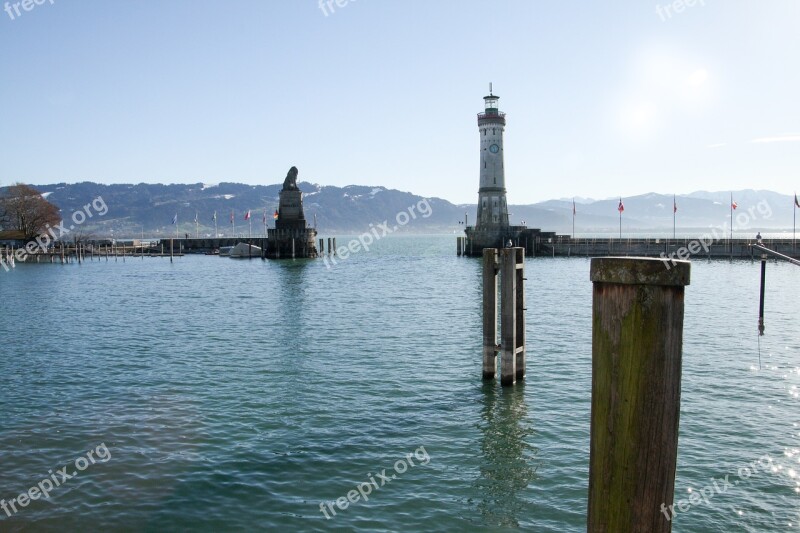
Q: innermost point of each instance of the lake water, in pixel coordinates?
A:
(240, 395)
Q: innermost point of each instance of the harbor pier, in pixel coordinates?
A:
(537, 243)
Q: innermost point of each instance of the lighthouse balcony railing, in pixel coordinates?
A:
(492, 116)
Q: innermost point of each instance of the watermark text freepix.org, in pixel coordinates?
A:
(53, 234)
(45, 486)
(376, 233)
(763, 464)
(363, 490)
(13, 8)
(328, 5)
(677, 6)
(694, 246)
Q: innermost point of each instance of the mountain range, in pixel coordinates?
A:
(351, 209)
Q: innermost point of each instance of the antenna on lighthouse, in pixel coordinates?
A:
(490, 88)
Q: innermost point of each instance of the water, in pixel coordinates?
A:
(239, 395)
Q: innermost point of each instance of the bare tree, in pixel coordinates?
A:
(22, 208)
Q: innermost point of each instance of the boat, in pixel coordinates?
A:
(244, 251)
(225, 250)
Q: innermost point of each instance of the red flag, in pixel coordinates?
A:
(275, 216)
(620, 207)
(734, 204)
(796, 201)
(247, 215)
(674, 205)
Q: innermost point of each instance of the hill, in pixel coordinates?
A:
(351, 209)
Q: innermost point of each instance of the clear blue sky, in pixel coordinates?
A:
(603, 98)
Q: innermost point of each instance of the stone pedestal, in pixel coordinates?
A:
(290, 212)
(291, 238)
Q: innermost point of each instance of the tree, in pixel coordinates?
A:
(22, 208)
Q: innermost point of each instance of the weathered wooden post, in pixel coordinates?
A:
(489, 313)
(292, 247)
(509, 262)
(171, 250)
(330, 246)
(321, 246)
(637, 337)
(512, 315)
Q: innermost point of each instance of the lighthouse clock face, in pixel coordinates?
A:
(494, 148)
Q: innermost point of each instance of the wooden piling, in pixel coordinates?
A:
(489, 313)
(512, 315)
(519, 302)
(637, 337)
(321, 246)
(293, 248)
(330, 247)
(171, 250)
(334, 246)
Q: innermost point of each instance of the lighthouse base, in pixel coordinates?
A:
(520, 236)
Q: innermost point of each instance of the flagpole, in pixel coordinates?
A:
(620, 218)
(674, 211)
(573, 217)
(176, 226)
(216, 233)
(233, 221)
(731, 239)
(794, 222)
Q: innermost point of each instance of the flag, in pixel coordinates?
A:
(231, 216)
(247, 215)
(265, 215)
(573, 207)
(620, 207)
(734, 205)
(796, 201)
(195, 217)
(275, 216)
(175, 219)
(215, 216)
(674, 205)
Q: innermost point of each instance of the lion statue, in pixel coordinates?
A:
(290, 183)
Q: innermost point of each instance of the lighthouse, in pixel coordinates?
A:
(492, 227)
(492, 206)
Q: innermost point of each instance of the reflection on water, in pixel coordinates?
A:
(509, 460)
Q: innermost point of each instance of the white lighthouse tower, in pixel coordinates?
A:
(492, 206)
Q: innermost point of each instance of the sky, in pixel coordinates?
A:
(603, 99)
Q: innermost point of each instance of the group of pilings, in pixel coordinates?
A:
(7, 257)
(331, 246)
(637, 342)
(75, 253)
